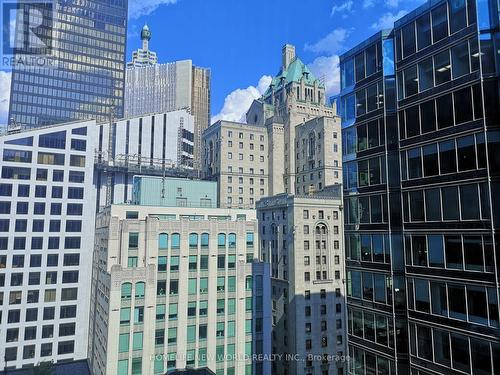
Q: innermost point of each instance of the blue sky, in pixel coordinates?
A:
(241, 40)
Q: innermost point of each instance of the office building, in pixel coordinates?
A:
(301, 238)
(236, 156)
(46, 243)
(420, 108)
(143, 56)
(157, 144)
(290, 144)
(157, 88)
(178, 287)
(87, 80)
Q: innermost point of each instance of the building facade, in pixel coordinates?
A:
(170, 87)
(157, 144)
(236, 156)
(45, 243)
(88, 79)
(294, 98)
(301, 238)
(178, 287)
(420, 112)
(291, 134)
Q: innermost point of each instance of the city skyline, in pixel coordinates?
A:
(236, 81)
(339, 218)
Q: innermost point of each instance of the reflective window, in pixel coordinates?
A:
(411, 81)
(450, 203)
(428, 116)
(408, 33)
(430, 158)
(423, 31)
(466, 153)
(371, 60)
(460, 59)
(414, 163)
(444, 110)
(426, 74)
(463, 106)
(442, 67)
(360, 66)
(439, 23)
(348, 73)
(360, 103)
(412, 121)
(447, 157)
(53, 140)
(458, 15)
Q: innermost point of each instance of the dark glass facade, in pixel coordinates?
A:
(89, 42)
(421, 138)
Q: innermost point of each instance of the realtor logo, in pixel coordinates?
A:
(27, 33)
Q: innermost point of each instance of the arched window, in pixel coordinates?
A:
(140, 288)
(126, 290)
(193, 240)
(321, 229)
(248, 283)
(221, 239)
(163, 241)
(176, 241)
(232, 240)
(204, 239)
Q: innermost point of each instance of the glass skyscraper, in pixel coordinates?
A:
(89, 42)
(420, 124)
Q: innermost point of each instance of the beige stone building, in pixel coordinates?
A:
(300, 148)
(178, 287)
(293, 109)
(236, 156)
(301, 237)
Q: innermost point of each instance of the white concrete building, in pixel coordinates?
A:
(155, 88)
(154, 144)
(302, 239)
(46, 204)
(177, 287)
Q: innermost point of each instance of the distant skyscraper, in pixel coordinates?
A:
(89, 47)
(169, 87)
(143, 56)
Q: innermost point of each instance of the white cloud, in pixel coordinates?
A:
(392, 3)
(138, 8)
(4, 97)
(330, 43)
(326, 68)
(386, 21)
(238, 102)
(368, 4)
(346, 6)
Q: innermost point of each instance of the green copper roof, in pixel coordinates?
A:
(294, 73)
